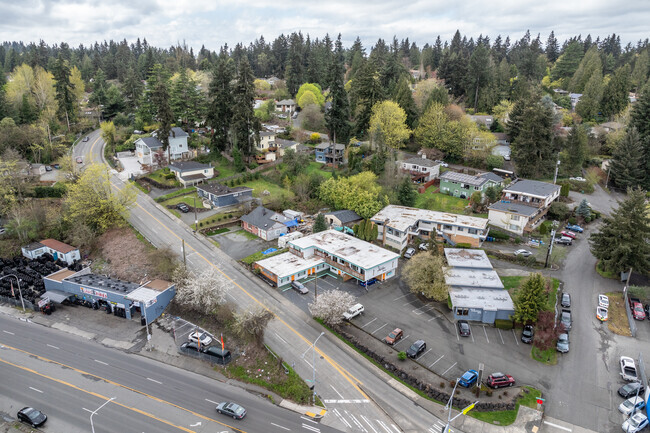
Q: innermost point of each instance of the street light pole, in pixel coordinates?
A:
(313, 362)
(446, 428)
(557, 168)
(92, 426)
(19, 290)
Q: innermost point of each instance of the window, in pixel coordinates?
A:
(459, 229)
(447, 227)
(462, 311)
(514, 217)
(472, 231)
(514, 227)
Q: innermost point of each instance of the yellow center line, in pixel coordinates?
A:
(62, 382)
(346, 374)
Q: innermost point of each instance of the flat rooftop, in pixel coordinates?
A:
(402, 217)
(473, 278)
(61, 275)
(354, 250)
(159, 285)
(286, 264)
(101, 282)
(485, 299)
(466, 258)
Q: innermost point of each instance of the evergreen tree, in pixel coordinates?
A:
(99, 88)
(161, 101)
(319, 224)
(237, 160)
(406, 194)
(4, 106)
(568, 62)
(583, 210)
(337, 118)
(627, 164)
(27, 112)
(404, 97)
(132, 88)
(219, 115)
(576, 149)
(640, 116)
(246, 126)
(623, 239)
(186, 100)
(530, 299)
(64, 91)
(552, 48)
(366, 91)
(295, 64)
(479, 73)
(615, 95)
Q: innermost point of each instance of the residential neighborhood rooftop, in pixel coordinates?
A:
(327, 145)
(188, 165)
(473, 278)
(491, 176)
(516, 208)
(532, 187)
(151, 142)
(57, 245)
(354, 250)
(264, 218)
(286, 264)
(463, 178)
(423, 162)
(218, 189)
(345, 215)
(486, 299)
(467, 258)
(402, 217)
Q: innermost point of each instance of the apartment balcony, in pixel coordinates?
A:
(518, 200)
(344, 267)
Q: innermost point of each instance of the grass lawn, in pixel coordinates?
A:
(315, 167)
(527, 397)
(260, 185)
(259, 256)
(548, 357)
(617, 322)
(188, 199)
(605, 274)
(513, 284)
(159, 177)
(175, 193)
(218, 231)
(224, 167)
(442, 202)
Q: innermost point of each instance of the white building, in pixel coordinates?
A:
(57, 249)
(422, 170)
(332, 251)
(146, 147)
(398, 225)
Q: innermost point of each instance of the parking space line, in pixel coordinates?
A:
(411, 302)
(434, 317)
(369, 322)
(378, 328)
(281, 339)
(422, 310)
(502, 342)
(515, 335)
(425, 353)
(457, 337)
(471, 333)
(403, 339)
(434, 362)
(403, 296)
(445, 372)
(486, 337)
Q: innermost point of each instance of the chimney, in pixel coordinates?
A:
(424, 155)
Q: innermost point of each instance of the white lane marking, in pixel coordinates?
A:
(308, 419)
(190, 260)
(403, 339)
(369, 423)
(557, 426)
(279, 426)
(369, 322)
(340, 395)
(101, 362)
(434, 317)
(354, 401)
(381, 423)
(410, 302)
(154, 380)
(378, 328)
(403, 296)
(471, 333)
(309, 364)
(500, 335)
(434, 362)
(449, 368)
(37, 390)
(397, 429)
(356, 421)
(281, 339)
(425, 353)
(196, 425)
(486, 337)
(87, 410)
(515, 335)
(308, 427)
(336, 412)
(7, 332)
(53, 347)
(422, 310)
(210, 401)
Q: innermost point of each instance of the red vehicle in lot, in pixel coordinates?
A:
(637, 309)
(500, 380)
(568, 234)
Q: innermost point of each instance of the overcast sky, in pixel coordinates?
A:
(215, 22)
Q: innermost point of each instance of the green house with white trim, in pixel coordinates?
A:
(464, 185)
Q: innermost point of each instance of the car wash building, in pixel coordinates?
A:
(121, 298)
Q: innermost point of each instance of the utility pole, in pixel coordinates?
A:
(550, 248)
(184, 258)
(557, 168)
(313, 364)
(196, 221)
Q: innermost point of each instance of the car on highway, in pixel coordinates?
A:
(631, 405)
(463, 328)
(86, 138)
(602, 314)
(201, 336)
(566, 300)
(183, 207)
(568, 234)
(231, 409)
(31, 416)
(563, 240)
(575, 228)
(416, 349)
(500, 380)
(299, 287)
(603, 301)
(523, 253)
(562, 345)
(395, 335)
(79, 160)
(409, 253)
(527, 334)
(628, 369)
(635, 423)
(630, 389)
(468, 378)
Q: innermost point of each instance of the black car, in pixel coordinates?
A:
(527, 334)
(464, 329)
(629, 389)
(566, 300)
(646, 308)
(190, 346)
(220, 356)
(183, 207)
(31, 416)
(48, 168)
(416, 349)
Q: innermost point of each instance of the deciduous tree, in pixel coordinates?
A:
(425, 274)
(253, 322)
(388, 124)
(330, 306)
(359, 193)
(204, 292)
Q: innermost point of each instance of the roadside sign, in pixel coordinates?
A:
(540, 400)
(468, 408)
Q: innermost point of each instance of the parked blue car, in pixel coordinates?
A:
(368, 283)
(468, 378)
(575, 228)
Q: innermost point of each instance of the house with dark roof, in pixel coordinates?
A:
(422, 170)
(146, 147)
(329, 153)
(220, 195)
(464, 185)
(523, 205)
(482, 120)
(286, 106)
(341, 218)
(266, 224)
(60, 251)
(191, 173)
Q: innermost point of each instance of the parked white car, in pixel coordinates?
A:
(203, 336)
(353, 311)
(628, 369)
(603, 301)
(578, 179)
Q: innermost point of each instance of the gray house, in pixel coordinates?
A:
(220, 195)
(266, 224)
(342, 218)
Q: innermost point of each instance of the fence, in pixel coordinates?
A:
(628, 311)
(16, 303)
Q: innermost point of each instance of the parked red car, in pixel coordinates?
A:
(500, 380)
(568, 234)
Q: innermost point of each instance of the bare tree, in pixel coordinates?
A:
(202, 293)
(331, 305)
(252, 322)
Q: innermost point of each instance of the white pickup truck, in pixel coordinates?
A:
(353, 311)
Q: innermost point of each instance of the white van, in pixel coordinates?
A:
(353, 311)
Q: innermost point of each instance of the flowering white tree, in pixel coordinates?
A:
(204, 292)
(330, 306)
